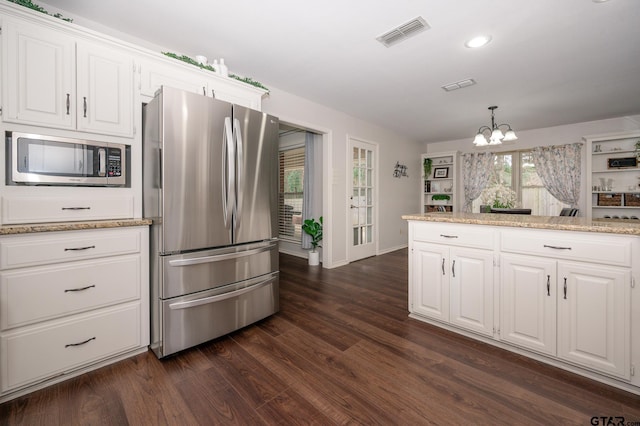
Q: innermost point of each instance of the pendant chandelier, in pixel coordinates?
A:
(495, 135)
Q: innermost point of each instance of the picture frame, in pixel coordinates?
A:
(440, 172)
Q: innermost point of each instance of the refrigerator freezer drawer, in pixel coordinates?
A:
(203, 270)
(190, 320)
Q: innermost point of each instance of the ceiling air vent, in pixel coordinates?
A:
(459, 85)
(403, 31)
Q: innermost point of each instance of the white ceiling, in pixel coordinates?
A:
(550, 62)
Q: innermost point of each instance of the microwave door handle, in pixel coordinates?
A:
(237, 134)
(102, 157)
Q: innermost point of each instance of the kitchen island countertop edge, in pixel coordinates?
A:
(559, 223)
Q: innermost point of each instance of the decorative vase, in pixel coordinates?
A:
(314, 258)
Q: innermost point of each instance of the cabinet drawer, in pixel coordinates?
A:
(455, 235)
(596, 248)
(47, 248)
(36, 294)
(17, 209)
(40, 352)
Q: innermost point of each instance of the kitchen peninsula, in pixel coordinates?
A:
(557, 289)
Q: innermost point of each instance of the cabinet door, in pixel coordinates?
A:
(594, 317)
(430, 281)
(105, 90)
(528, 302)
(38, 76)
(472, 290)
(229, 90)
(156, 74)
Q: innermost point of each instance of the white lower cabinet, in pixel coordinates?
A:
(69, 301)
(471, 303)
(453, 284)
(528, 302)
(594, 303)
(430, 282)
(568, 296)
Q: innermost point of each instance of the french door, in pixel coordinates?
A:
(363, 200)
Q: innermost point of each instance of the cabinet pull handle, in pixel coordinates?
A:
(84, 106)
(565, 287)
(448, 236)
(443, 266)
(76, 208)
(79, 344)
(453, 268)
(79, 248)
(557, 247)
(79, 289)
(68, 102)
(548, 285)
(213, 93)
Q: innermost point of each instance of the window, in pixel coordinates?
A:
(291, 193)
(515, 171)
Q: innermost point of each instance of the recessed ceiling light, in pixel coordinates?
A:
(478, 41)
(600, 1)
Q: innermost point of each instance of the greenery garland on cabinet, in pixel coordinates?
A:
(30, 5)
(208, 67)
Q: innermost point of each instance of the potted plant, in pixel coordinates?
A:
(314, 229)
(440, 198)
(426, 167)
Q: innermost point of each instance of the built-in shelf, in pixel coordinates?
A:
(433, 185)
(609, 147)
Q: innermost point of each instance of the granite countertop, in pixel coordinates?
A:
(560, 223)
(29, 228)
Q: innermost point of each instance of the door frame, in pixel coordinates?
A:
(349, 191)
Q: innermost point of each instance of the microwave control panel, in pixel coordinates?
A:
(114, 166)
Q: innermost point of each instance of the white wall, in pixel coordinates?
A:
(396, 196)
(559, 135)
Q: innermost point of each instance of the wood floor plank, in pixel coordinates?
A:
(342, 350)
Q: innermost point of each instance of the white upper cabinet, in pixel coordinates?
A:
(38, 76)
(157, 72)
(105, 90)
(56, 80)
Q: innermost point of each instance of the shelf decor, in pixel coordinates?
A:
(622, 163)
(610, 200)
(440, 172)
(632, 200)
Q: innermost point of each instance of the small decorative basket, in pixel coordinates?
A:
(632, 200)
(610, 200)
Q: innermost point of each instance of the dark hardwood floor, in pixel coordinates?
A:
(341, 350)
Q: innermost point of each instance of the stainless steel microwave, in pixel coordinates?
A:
(49, 160)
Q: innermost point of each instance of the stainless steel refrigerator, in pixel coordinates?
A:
(210, 185)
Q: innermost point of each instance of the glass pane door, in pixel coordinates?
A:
(362, 200)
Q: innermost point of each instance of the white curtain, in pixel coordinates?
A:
(308, 185)
(476, 173)
(559, 170)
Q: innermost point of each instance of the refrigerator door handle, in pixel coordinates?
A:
(219, 257)
(237, 134)
(228, 172)
(218, 298)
